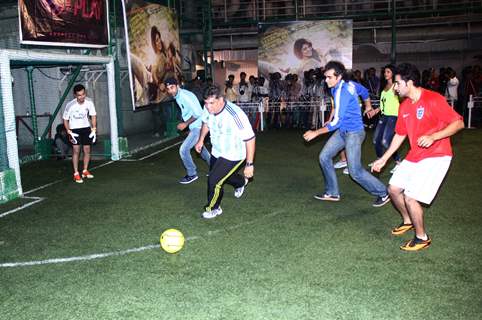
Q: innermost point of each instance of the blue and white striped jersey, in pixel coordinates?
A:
(230, 129)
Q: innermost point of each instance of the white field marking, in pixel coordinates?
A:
(159, 151)
(44, 186)
(124, 252)
(36, 200)
(60, 180)
(136, 150)
(100, 166)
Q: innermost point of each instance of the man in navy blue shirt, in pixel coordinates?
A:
(348, 133)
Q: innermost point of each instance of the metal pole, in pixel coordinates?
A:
(3, 140)
(211, 47)
(62, 99)
(470, 106)
(393, 54)
(113, 51)
(296, 10)
(208, 39)
(33, 111)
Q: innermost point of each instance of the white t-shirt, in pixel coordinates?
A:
(78, 114)
(244, 92)
(452, 87)
(230, 129)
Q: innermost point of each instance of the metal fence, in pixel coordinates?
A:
(474, 111)
(313, 114)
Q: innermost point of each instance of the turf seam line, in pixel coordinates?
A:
(127, 251)
(36, 200)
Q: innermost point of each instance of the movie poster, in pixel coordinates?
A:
(153, 50)
(296, 47)
(71, 23)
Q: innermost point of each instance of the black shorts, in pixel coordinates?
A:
(83, 138)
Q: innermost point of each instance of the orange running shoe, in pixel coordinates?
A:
(416, 244)
(78, 178)
(87, 174)
(402, 228)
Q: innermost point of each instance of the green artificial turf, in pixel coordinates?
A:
(276, 253)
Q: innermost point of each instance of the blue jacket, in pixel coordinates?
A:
(190, 107)
(347, 117)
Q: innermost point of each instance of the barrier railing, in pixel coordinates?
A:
(313, 114)
(309, 114)
(473, 103)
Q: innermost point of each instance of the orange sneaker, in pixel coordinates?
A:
(416, 244)
(402, 228)
(78, 178)
(87, 174)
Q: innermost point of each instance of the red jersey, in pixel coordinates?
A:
(431, 113)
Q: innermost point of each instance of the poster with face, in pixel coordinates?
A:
(153, 50)
(296, 47)
(69, 23)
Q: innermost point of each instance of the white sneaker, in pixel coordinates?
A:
(212, 214)
(395, 168)
(345, 171)
(340, 164)
(238, 192)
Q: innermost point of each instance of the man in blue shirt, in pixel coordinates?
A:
(348, 133)
(191, 112)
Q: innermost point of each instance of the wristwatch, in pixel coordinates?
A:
(249, 164)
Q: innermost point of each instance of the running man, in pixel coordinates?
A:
(428, 121)
(233, 144)
(191, 112)
(348, 134)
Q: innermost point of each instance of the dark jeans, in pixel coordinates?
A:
(351, 142)
(384, 134)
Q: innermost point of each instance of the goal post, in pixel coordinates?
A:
(12, 188)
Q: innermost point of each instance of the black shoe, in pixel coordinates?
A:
(188, 179)
(381, 201)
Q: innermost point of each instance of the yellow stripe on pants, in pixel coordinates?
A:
(217, 189)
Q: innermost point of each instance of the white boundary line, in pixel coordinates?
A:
(60, 180)
(156, 143)
(37, 200)
(127, 251)
(92, 169)
(44, 186)
(159, 151)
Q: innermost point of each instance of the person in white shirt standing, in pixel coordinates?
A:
(233, 144)
(80, 130)
(243, 89)
(452, 87)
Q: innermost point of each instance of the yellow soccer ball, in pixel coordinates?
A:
(172, 240)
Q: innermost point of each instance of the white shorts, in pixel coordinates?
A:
(421, 180)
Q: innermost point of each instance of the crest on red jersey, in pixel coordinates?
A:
(420, 112)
